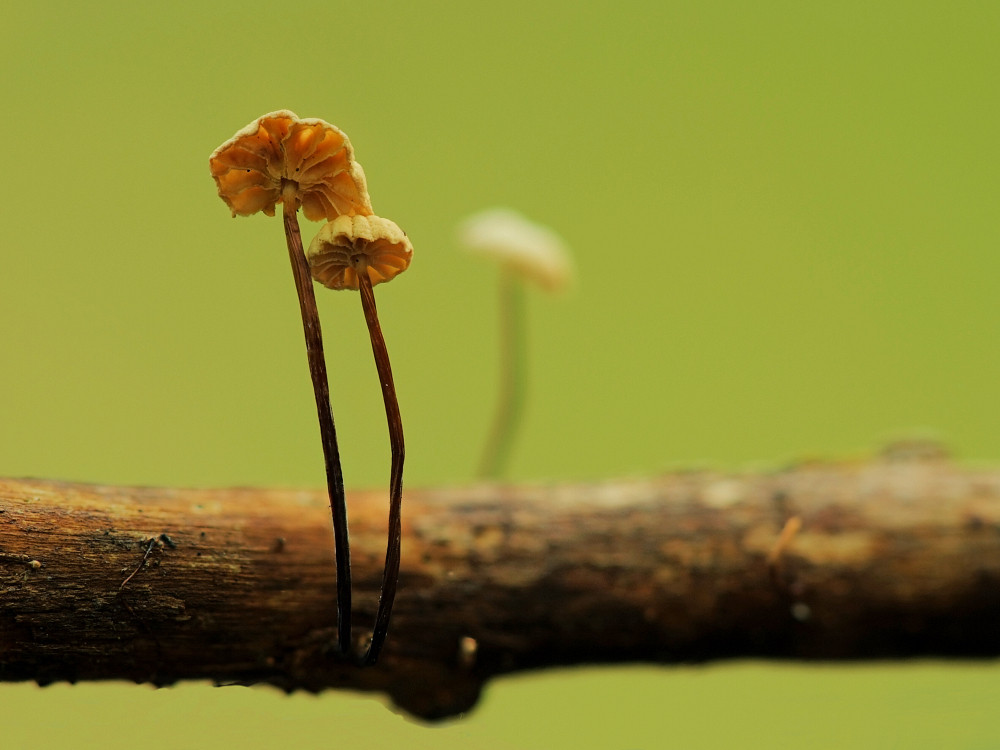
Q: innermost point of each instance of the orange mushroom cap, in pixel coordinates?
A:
(385, 246)
(249, 168)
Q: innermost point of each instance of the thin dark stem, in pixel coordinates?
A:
(328, 432)
(390, 575)
(513, 379)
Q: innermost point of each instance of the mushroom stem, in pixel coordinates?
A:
(390, 574)
(328, 432)
(513, 378)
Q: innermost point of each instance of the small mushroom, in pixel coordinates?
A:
(526, 251)
(281, 158)
(357, 252)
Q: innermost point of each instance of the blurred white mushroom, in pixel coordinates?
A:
(525, 251)
(530, 250)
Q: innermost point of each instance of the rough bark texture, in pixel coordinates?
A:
(894, 558)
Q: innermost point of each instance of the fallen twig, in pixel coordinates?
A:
(896, 557)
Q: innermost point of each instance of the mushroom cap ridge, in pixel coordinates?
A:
(386, 248)
(250, 167)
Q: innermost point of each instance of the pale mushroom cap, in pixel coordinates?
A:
(385, 246)
(527, 248)
(249, 167)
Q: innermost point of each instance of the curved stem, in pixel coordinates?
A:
(328, 432)
(390, 574)
(513, 379)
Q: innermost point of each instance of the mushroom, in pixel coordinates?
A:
(357, 252)
(281, 158)
(253, 168)
(526, 251)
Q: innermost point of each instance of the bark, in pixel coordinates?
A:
(886, 559)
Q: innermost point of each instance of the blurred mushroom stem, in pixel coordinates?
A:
(328, 432)
(390, 574)
(513, 377)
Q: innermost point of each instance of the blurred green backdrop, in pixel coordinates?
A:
(784, 218)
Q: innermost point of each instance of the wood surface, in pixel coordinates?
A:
(890, 558)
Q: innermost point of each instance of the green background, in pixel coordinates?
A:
(784, 220)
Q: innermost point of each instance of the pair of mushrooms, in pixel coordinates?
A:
(309, 163)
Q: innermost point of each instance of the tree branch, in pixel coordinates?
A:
(897, 557)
